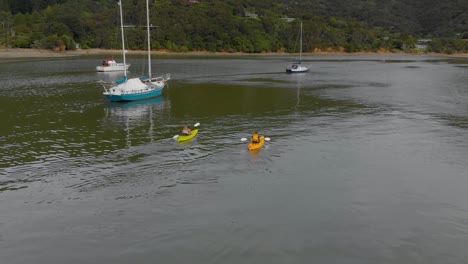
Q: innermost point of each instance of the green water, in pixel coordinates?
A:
(366, 162)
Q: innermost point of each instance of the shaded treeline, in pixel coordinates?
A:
(236, 25)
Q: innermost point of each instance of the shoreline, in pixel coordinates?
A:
(42, 53)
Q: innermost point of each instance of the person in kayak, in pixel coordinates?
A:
(186, 131)
(255, 138)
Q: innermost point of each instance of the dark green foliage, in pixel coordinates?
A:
(222, 25)
(448, 45)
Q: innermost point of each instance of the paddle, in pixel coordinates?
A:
(244, 139)
(176, 136)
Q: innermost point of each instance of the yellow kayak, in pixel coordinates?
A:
(259, 145)
(189, 137)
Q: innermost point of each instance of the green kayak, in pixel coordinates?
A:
(188, 137)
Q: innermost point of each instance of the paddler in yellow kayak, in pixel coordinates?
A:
(255, 138)
(256, 142)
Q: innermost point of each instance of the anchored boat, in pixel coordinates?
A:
(296, 67)
(136, 88)
(110, 65)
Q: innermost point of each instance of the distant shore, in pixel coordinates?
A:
(42, 53)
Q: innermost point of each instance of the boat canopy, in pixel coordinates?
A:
(135, 84)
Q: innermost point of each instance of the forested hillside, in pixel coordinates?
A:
(426, 18)
(238, 25)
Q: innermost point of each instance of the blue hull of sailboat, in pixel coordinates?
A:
(134, 96)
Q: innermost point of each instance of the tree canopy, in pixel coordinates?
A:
(237, 25)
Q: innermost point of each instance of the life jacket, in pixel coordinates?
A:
(255, 138)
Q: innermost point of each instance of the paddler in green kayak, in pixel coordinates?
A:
(187, 134)
(186, 131)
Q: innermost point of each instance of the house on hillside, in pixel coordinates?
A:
(288, 19)
(250, 15)
(421, 44)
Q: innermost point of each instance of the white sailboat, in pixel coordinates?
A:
(296, 67)
(137, 88)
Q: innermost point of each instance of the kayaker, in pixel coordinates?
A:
(186, 131)
(255, 138)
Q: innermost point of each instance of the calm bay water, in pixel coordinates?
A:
(366, 163)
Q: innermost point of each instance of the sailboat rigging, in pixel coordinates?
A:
(137, 88)
(296, 67)
(110, 65)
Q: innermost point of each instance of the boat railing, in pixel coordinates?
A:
(164, 77)
(136, 91)
(106, 85)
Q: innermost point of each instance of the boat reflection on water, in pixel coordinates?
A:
(140, 118)
(109, 77)
(136, 109)
(299, 80)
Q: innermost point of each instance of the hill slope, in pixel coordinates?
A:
(216, 25)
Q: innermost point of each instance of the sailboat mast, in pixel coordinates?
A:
(123, 39)
(149, 42)
(300, 50)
